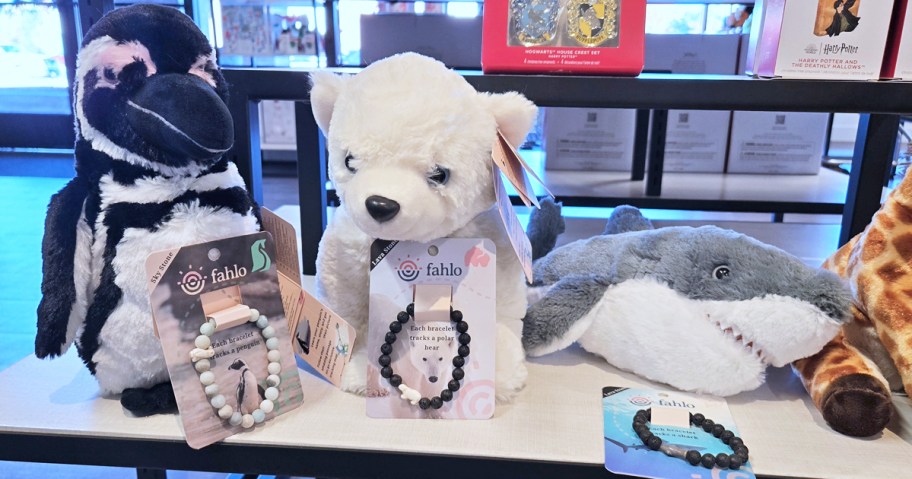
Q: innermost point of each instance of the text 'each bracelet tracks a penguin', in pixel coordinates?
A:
(200, 357)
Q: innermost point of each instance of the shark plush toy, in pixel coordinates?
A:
(701, 309)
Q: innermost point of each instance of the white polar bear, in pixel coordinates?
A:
(410, 156)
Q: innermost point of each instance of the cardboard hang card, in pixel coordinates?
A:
(222, 280)
(625, 452)
(449, 272)
(322, 338)
(515, 169)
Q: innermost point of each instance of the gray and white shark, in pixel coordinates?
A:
(702, 309)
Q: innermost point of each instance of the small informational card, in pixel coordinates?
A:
(625, 453)
(321, 337)
(457, 272)
(516, 171)
(191, 283)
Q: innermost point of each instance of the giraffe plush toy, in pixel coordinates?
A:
(851, 378)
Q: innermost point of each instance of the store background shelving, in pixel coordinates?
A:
(881, 103)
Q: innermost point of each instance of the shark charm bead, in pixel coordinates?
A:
(207, 377)
(411, 395)
(735, 460)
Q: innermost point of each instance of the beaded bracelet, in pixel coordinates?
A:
(655, 443)
(412, 395)
(200, 355)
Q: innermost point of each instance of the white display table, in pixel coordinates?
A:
(52, 413)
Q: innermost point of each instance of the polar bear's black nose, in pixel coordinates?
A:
(432, 379)
(380, 208)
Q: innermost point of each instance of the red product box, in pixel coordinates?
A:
(564, 36)
(898, 57)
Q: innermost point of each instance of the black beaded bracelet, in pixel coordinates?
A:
(655, 443)
(386, 368)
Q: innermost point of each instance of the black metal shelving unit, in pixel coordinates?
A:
(880, 103)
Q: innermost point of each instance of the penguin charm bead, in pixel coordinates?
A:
(199, 357)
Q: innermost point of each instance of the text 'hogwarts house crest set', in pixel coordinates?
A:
(179, 292)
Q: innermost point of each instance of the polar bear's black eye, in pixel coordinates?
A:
(721, 272)
(424, 359)
(439, 175)
(348, 160)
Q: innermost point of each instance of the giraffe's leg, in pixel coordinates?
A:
(894, 329)
(847, 388)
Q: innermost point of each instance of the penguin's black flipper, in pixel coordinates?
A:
(261, 391)
(58, 250)
(158, 399)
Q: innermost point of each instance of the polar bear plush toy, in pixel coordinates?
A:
(410, 156)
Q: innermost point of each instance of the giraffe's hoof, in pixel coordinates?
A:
(857, 405)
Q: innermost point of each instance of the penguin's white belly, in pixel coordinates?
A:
(129, 354)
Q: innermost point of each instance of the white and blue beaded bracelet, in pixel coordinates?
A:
(200, 357)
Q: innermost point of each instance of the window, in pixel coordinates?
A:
(693, 17)
(31, 58)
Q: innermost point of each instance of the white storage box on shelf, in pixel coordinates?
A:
(695, 140)
(777, 143)
(594, 139)
(454, 41)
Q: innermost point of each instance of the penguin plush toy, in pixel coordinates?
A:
(152, 127)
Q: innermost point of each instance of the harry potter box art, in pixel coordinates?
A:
(823, 39)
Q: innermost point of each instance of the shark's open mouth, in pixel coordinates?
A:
(748, 344)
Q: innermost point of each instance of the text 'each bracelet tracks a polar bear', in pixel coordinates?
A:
(199, 356)
(409, 394)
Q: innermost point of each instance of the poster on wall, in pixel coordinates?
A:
(292, 35)
(246, 31)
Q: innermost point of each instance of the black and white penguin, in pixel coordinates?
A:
(152, 126)
(248, 393)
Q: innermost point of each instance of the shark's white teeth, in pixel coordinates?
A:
(738, 337)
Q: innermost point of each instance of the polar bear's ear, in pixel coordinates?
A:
(514, 114)
(325, 88)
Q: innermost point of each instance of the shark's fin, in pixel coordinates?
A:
(626, 218)
(562, 315)
(545, 225)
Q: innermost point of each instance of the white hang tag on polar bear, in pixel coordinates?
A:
(516, 170)
(435, 276)
(507, 160)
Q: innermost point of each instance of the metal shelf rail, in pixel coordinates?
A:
(880, 103)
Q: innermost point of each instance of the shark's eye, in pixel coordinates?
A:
(441, 359)
(425, 359)
(721, 272)
(439, 175)
(348, 163)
